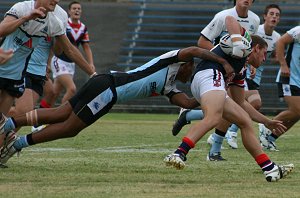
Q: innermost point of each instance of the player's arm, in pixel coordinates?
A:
(183, 100)
(63, 44)
(238, 95)
(280, 48)
(88, 52)
(10, 23)
(187, 54)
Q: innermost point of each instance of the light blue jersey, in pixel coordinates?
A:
(293, 58)
(28, 35)
(38, 61)
(271, 41)
(156, 77)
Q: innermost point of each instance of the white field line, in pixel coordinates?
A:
(118, 149)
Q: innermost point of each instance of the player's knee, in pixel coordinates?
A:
(256, 104)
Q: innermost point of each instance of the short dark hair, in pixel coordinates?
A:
(257, 40)
(234, 2)
(73, 2)
(268, 7)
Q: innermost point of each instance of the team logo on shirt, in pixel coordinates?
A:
(153, 89)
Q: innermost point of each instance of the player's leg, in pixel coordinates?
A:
(66, 80)
(48, 100)
(185, 117)
(234, 113)
(208, 87)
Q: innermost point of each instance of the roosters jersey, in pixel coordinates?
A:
(292, 59)
(217, 27)
(28, 35)
(271, 40)
(156, 77)
(77, 34)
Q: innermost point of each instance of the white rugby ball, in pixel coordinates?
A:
(226, 44)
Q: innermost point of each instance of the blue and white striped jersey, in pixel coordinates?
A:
(28, 35)
(156, 77)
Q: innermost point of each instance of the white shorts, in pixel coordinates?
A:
(60, 67)
(207, 80)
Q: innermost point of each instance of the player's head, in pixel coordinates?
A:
(75, 10)
(272, 15)
(243, 3)
(185, 71)
(259, 51)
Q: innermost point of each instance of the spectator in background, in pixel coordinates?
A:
(63, 68)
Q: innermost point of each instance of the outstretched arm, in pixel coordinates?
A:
(63, 44)
(187, 54)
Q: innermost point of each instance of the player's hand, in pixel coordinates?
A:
(229, 71)
(285, 71)
(237, 46)
(252, 71)
(37, 13)
(5, 55)
(276, 126)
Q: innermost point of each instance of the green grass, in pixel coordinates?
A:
(122, 156)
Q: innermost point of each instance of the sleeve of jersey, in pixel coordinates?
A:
(295, 33)
(60, 25)
(85, 38)
(15, 11)
(214, 28)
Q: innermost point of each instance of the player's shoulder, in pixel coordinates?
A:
(226, 12)
(253, 16)
(60, 13)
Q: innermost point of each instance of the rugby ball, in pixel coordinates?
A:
(226, 44)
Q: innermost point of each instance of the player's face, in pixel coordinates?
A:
(244, 3)
(257, 56)
(49, 5)
(185, 72)
(75, 11)
(272, 18)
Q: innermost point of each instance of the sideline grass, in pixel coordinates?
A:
(122, 155)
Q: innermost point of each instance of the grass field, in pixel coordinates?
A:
(122, 156)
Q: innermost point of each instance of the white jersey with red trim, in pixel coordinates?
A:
(217, 27)
(28, 36)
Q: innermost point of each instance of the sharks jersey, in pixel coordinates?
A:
(271, 40)
(292, 59)
(156, 77)
(28, 35)
(217, 27)
(38, 61)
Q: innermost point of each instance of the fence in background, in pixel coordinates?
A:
(160, 26)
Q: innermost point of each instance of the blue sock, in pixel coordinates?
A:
(9, 125)
(21, 143)
(233, 128)
(217, 144)
(194, 115)
(272, 137)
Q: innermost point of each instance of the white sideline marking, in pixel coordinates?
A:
(117, 149)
